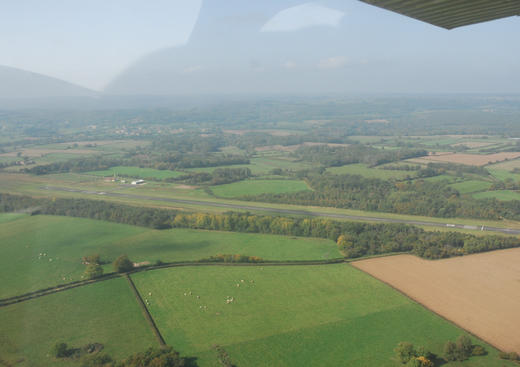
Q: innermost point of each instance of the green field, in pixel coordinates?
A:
(332, 315)
(137, 172)
(64, 241)
(470, 186)
(440, 178)
(256, 187)
(260, 165)
(8, 217)
(61, 241)
(508, 165)
(503, 195)
(363, 170)
(502, 175)
(105, 312)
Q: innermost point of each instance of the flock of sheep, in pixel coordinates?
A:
(229, 299)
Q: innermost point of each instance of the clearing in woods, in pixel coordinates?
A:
(481, 293)
(256, 187)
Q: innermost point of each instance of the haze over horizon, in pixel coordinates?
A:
(283, 46)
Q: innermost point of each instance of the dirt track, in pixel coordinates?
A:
(480, 293)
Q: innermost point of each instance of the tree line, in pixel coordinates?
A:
(355, 239)
(418, 197)
(219, 176)
(356, 153)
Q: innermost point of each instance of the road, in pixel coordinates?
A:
(310, 213)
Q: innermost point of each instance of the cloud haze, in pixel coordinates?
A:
(267, 46)
(303, 16)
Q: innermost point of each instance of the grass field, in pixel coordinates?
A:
(501, 174)
(137, 172)
(441, 178)
(105, 312)
(508, 165)
(255, 187)
(329, 315)
(503, 195)
(22, 269)
(261, 165)
(8, 217)
(63, 241)
(470, 186)
(484, 298)
(363, 170)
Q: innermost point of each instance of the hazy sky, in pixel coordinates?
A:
(91, 42)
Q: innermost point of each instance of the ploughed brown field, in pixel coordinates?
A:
(470, 159)
(480, 293)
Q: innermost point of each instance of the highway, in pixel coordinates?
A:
(310, 213)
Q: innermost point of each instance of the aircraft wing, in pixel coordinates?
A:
(451, 14)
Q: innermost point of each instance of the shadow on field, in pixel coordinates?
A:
(190, 362)
(439, 361)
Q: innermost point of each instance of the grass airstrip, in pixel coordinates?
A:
(137, 172)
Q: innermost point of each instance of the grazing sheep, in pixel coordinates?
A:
(149, 293)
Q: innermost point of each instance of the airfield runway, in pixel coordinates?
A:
(310, 213)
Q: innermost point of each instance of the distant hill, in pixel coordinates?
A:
(229, 54)
(17, 83)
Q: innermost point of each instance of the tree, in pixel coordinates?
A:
(464, 347)
(423, 352)
(154, 357)
(60, 350)
(103, 360)
(92, 259)
(450, 351)
(123, 264)
(223, 358)
(478, 350)
(405, 352)
(424, 362)
(414, 362)
(93, 271)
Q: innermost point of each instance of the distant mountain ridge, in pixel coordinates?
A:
(17, 83)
